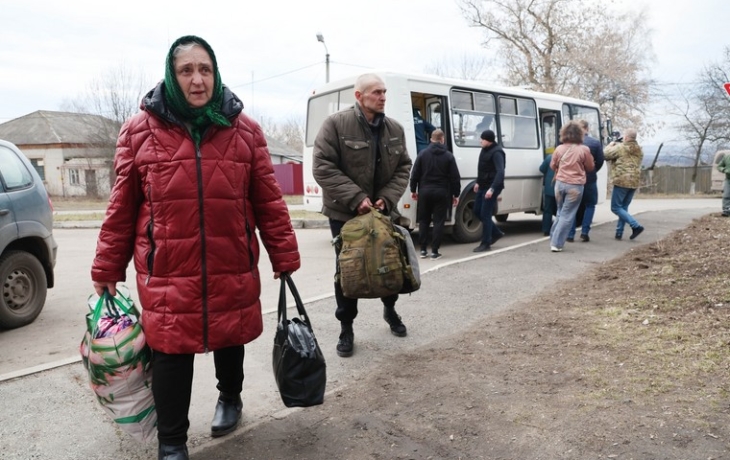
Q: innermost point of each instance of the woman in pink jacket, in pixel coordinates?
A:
(194, 182)
(570, 162)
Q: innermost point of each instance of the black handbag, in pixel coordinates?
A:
(299, 366)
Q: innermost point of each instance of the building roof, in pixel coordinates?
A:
(280, 149)
(47, 127)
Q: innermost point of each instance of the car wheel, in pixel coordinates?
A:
(23, 289)
(467, 226)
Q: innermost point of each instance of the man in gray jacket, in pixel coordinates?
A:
(360, 161)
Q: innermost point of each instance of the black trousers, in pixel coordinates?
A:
(346, 311)
(432, 204)
(172, 383)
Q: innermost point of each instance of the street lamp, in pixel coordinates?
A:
(320, 38)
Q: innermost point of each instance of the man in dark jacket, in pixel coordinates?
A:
(435, 183)
(360, 161)
(587, 208)
(490, 183)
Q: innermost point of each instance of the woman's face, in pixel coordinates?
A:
(195, 75)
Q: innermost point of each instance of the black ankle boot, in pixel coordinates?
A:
(346, 343)
(170, 452)
(397, 328)
(227, 414)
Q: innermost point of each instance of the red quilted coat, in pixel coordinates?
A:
(188, 217)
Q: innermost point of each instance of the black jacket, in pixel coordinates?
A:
(490, 169)
(435, 169)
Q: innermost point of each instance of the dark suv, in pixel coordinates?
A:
(27, 247)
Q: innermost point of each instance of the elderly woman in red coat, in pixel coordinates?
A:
(194, 181)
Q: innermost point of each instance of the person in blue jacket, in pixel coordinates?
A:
(549, 205)
(423, 130)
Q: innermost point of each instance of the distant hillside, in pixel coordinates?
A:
(672, 155)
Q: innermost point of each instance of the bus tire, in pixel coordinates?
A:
(467, 226)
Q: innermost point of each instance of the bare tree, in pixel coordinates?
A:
(289, 132)
(116, 94)
(571, 47)
(704, 111)
(465, 67)
(107, 101)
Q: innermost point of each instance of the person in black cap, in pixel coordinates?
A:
(489, 184)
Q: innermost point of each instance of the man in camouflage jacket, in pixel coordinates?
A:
(625, 160)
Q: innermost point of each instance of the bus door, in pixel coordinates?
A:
(550, 128)
(429, 107)
(433, 109)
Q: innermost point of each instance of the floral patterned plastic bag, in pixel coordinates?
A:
(119, 364)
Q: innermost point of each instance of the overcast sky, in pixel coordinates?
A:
(51, 50)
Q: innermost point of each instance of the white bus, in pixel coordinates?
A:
(526, 122)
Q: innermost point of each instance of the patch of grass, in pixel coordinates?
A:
(664, 319)
(309, 215)
(85, 216)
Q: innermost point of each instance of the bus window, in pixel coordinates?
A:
(589, 114)
(472, 113)
(518, 122)
(549, 132)
(321, 107)
(434, 114)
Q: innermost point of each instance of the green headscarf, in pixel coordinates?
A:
(201, 117)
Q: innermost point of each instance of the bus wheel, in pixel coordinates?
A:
(501, 217)
(467, 226)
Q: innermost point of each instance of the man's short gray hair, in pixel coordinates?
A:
(630, 134)
(366, 80)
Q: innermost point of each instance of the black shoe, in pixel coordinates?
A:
(227, 415)
(585, 238)
(618, 236)
(424, 253)
(497, 238)
(636, 232)
(725, 214)
(346, 342)
(570, 240)
(481, 248)
(168, 452)
(545, 233)
(435, 256)
(393, 319)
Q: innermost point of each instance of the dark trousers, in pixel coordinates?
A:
(432, 204)
(346, 311)
(172, 383)
(549, 209)
(485, 210)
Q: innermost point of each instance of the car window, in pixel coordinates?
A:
(14, 173)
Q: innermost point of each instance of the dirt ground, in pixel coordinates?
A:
(631, 363)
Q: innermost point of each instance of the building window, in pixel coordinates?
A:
(39, 165)
(73, 177)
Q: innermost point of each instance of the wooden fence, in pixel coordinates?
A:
(676, 180)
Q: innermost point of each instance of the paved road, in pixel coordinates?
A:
(51, 414)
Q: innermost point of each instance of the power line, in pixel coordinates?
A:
(276, 76)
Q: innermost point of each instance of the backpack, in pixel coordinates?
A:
(409, 256)
(373, 260)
